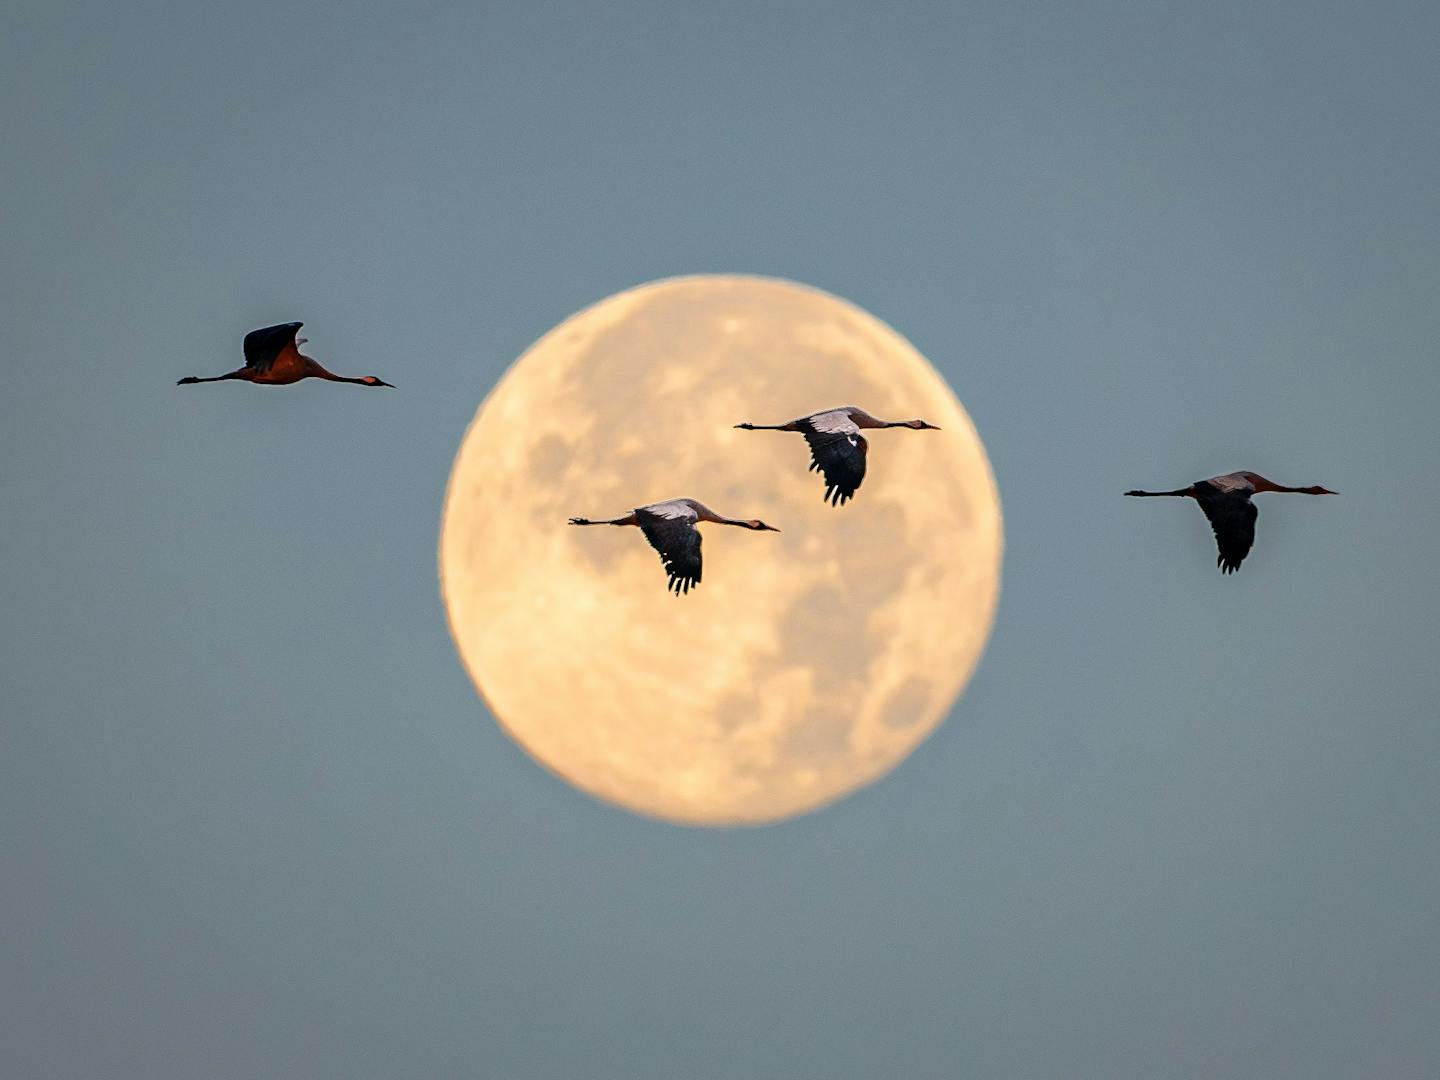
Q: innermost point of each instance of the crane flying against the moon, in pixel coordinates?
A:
(808, 665)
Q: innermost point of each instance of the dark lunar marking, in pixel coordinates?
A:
(549, 459)
(821, 737)
(906, 704)
(826, 624)
(735, 709)
(875, 570)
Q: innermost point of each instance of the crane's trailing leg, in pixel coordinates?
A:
(189, 379)
(1189, 491)
(628, 519)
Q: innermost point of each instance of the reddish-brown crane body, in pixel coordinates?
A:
(273, 358)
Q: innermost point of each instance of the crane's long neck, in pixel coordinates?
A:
(1268, 486)
(704, 513)
(1181, 492)
(315, 371)
(865, 420)
(862, 419)
(791, 426)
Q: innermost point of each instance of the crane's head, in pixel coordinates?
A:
(920, 425)
(759, 526)
(371, 380)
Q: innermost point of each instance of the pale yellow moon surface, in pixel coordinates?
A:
(807, 663)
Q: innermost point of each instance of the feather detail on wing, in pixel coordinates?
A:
(839, 456)
(264, 345)
(678, 542)
(1232, 516)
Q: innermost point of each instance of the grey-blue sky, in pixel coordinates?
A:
(254, 821)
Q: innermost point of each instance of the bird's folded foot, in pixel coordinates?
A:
(187, 380)
(580, 521)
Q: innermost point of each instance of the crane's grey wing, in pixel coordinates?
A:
(830, 422)
(264, 345)
(839, 456)
(678, 542)
(1232, 516)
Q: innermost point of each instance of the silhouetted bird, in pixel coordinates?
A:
(1226, 502)
(837, 449)
(670, 528)
(273, 358)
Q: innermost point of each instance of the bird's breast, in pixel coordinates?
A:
(287, 367)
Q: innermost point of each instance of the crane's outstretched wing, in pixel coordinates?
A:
(1232, 515)
(678, 542)
(839, 456)
(264, 345)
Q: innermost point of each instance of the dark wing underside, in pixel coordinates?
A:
(264, 345)
(678, 542)
(1232, 515)
(840, 458)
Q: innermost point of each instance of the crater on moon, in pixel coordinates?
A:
(807, 663)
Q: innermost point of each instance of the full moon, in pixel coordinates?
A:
(808, 662)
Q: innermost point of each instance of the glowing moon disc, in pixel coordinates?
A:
(807, 663)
